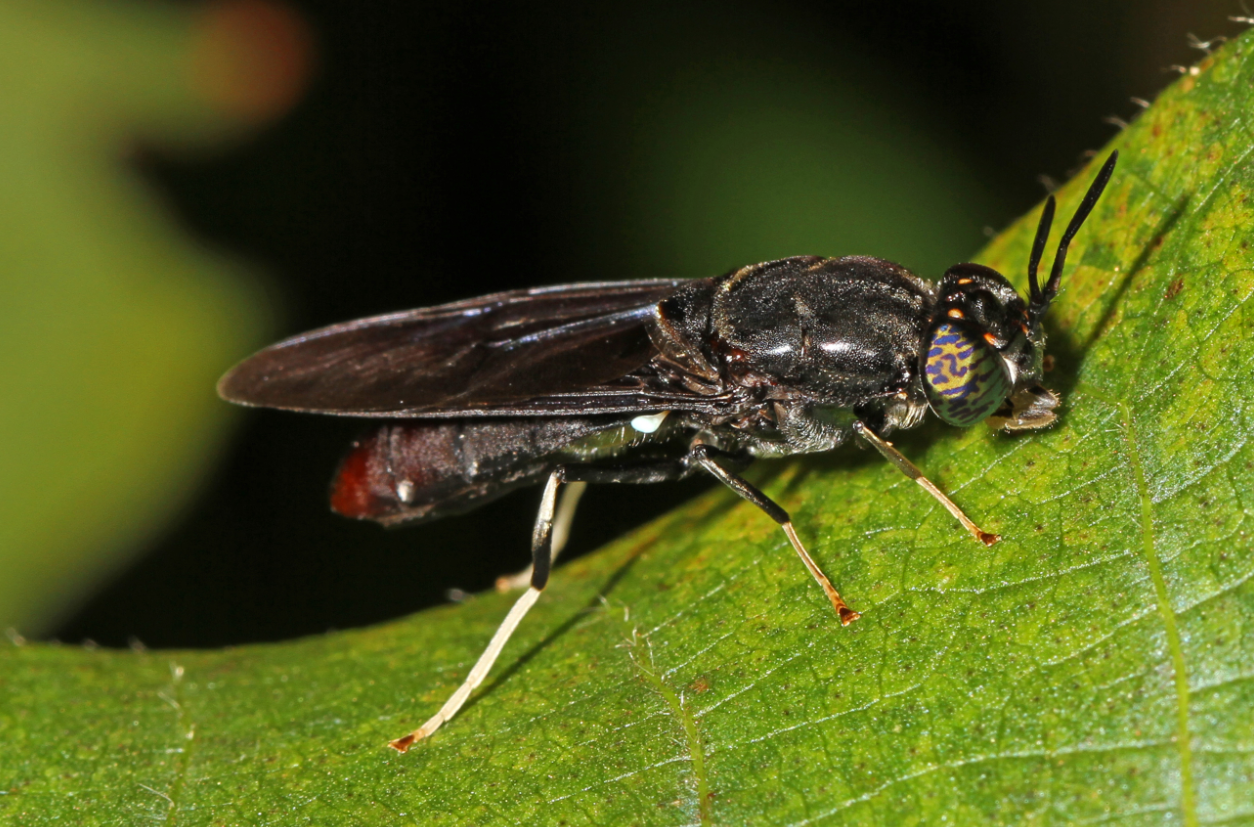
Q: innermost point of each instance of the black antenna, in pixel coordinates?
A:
(1038, 247)
(1039, 302)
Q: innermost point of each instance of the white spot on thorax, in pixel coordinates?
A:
(649, 423)
(405, 491)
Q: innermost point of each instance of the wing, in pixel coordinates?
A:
(556, 350)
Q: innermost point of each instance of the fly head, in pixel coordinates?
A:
(986, 345)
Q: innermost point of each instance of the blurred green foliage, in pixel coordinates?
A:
(113, 323)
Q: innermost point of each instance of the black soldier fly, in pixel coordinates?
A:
(649, 381)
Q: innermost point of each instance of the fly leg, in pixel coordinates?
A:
(703, 455)
(566, 505)
(541, 557)
(577, 478)
(912, 471)
(542, 554)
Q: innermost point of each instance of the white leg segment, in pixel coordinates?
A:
(566, 515)
(544, 525)
(477, 673)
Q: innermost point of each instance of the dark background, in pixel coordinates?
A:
(444, 151)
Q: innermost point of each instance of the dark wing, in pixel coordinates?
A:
(555, 350)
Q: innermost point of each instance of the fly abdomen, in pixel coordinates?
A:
(422, 469)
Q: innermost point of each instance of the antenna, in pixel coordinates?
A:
(1038, 247)
(1040, 299)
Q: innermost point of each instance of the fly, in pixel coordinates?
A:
(647, 381)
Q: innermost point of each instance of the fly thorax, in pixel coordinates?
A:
(836, 332)
(679, 329)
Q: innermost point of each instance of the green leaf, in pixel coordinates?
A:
(113, 322)
(1095, 666)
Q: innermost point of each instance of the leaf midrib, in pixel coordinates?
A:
(1188, 791)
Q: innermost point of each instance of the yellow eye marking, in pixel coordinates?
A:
(955, 313)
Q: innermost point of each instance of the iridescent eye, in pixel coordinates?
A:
(965, 379)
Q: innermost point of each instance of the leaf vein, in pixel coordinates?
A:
(688, 727)
(1188, 794)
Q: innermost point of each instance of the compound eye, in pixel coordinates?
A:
(966, 380)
